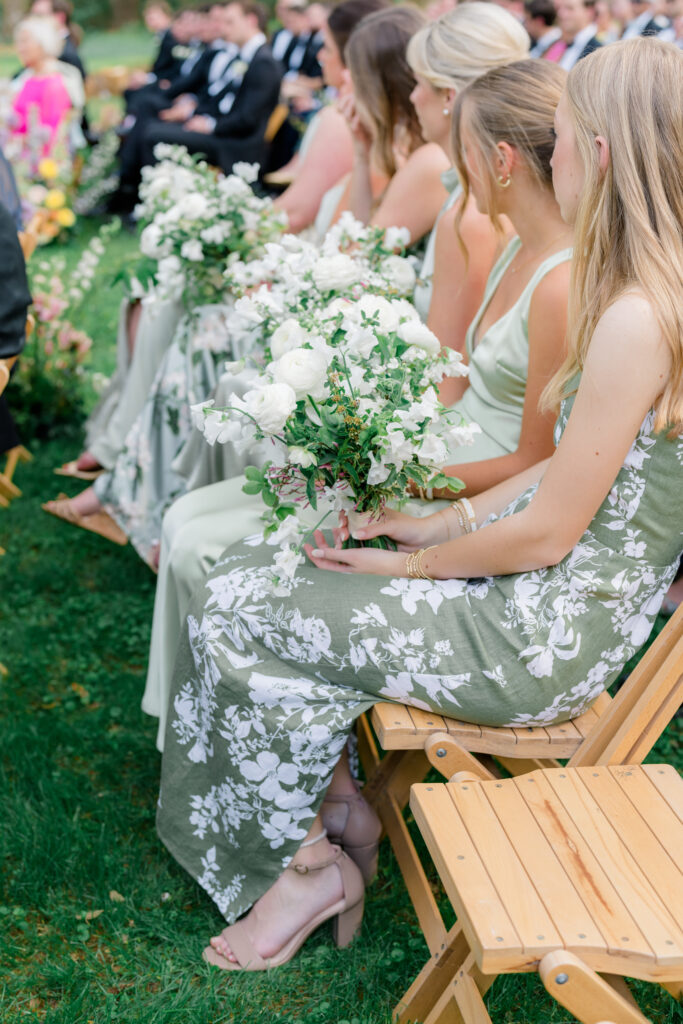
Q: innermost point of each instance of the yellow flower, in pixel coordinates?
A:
(55, 199)
(48, 169)
(66, 217)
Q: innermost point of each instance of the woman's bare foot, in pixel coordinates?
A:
(86, 503)
(294, 900)
(87, 462)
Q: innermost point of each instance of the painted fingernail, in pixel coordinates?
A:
(317, 553)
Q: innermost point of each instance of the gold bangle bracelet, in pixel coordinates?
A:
(414, 564)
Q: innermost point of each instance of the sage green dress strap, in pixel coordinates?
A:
(499, 364)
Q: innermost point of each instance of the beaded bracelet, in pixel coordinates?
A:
(465, 513)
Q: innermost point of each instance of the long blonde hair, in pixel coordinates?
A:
(629, 221)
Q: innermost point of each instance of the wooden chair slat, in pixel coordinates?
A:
(460, 869)
(426, 721)
(501, 862)
(586, 722)
(577, 928)
(652, 805)
(394, 727)
(666, 781)
(625, 876)
(463, 729)
(584, 869)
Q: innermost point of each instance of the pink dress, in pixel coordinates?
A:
(49, 96)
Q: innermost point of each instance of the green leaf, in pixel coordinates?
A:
(252, 487)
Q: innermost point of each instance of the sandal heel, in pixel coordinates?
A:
(365, 858)
(345, 926)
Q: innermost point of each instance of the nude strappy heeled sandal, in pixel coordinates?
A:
(347, 914)
(353, 824)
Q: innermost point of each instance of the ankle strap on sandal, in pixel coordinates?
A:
(305, 869)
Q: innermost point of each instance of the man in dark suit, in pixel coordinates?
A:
(576, 21)
(230, 116)
(641, 19)
(14, 302)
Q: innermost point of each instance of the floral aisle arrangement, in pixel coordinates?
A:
(47, 390)
(46, 200)
(195, 221)
(98, 177)
(346, 403)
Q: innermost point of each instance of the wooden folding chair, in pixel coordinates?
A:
(571, 872)
(614, 731)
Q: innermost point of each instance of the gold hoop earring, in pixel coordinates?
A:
(506, 183)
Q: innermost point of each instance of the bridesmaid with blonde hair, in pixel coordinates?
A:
(520, 611)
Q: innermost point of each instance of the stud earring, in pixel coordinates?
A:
(506, 183)
(446, 112)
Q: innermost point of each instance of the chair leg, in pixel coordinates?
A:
(7, 488)
(442, 993)
(367, 747)
(583, 992)
(14, 456)
(674, 988)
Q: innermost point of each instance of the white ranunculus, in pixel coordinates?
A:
(301, 457)
(271, 405)
(247, 172)
(215, 234)
(193, 206)
(335, 273)
(396, 238)
(334, 308)
(399, 273)
(304, 370)
(377, 307)
(413, 332)
(192, 251)
(290, 334)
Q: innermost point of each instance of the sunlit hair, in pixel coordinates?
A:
(514, 104)
(629, 221)
(44, 31)
(383, 81)
(462, 44)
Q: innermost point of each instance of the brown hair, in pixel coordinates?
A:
(514, 104)
(383, 79)
(344, 17)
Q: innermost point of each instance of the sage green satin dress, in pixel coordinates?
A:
(200, 525)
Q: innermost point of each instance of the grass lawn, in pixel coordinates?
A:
(131, 46)
(97, 923)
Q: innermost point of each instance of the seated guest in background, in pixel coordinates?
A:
(578, 30)
(229, 120)
(641, 19)
(539, 21)
(317, 19)
(159, 20)
(61, 11)
(148, 95)
(15, 299)
(41, 98)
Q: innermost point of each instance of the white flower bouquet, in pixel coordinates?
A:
(349, 413)
(195, 221)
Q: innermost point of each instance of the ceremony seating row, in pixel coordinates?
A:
(615, 731)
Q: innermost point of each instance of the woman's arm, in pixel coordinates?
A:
(415, 194)
(458, 282)
(626, 369)
(327, 161)
(547, 346)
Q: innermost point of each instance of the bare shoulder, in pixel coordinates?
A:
(629, 326)
(428, 160)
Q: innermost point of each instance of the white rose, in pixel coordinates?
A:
(399, 272)
(301, 457)
(290, 334)
(335, 273)
(304, 370)
(192, 251)
(271, 405)
(379, 308)
(413, 332)
(396, 238)
(193, 206)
